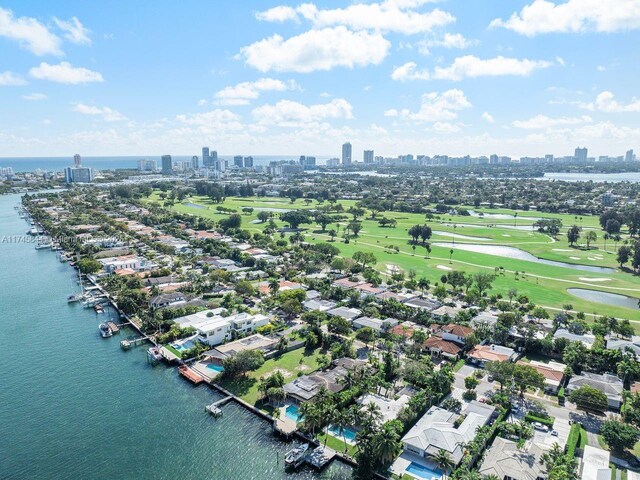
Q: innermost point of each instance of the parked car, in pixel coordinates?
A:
(554, 433)
(540, 427)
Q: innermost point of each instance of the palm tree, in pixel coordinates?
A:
(387, 443)
(444, 462)
(274, 286)
(493, 476)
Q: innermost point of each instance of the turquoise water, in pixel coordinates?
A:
(423, 472)
(74, 405)
(181, 347)
(292, 412)
(347, 433)
(217, 368)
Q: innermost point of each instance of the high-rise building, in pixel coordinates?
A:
(195, 162)
(78, 175)
(206, 160)
(248, 162)
(77, 160)
(580, 155)
(629, 156)
(145, 165)
(548, 158)
(368, 156)
(346, 154)
(237, 161)
(167, 164)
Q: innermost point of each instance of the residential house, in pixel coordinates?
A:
(306, 387)
(437, 431)
(587, 339)
(347, 313)
(167, 299)
(445, 312)
(440, 347)
(214, 329)
(481, 354)
(623, 345)
(507, 461)
(595, 464)
(377, 324)
(552, 372)
(452, 332)
(610, 385)
(427, 304)
(388, 408)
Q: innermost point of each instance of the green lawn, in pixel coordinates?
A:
(173, 350)
(337, 444)
(289, 364)
(545, 285)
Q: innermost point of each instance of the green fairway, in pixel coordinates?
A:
(545, 285)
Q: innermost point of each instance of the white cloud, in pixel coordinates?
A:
(75, 32)
(107, 114)
(388, 16)
(488, 117)
(29, 33)
(409, 71)
(435, 107)
(572, 16)
(215, 117)
(278, 14)
(472, 66)
(601, 68)
(64, 72)
(543, 122)
(287, 113)
(11, 79)
(606, 103)
(243, 93)
(446, 127)
(449, 41)
(317, 50)
(34, 97)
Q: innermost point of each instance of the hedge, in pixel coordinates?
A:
(530, 417)
(573, 439)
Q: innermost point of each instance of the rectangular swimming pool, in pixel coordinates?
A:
(347, 433)
(292, 412)
(423, 472)
(217, 368)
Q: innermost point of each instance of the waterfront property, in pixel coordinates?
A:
(214, 329)
(306, 387)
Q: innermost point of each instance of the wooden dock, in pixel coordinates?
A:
(320, 457)
(190, 374)
(214, 408)
(113, 327)
(127, 344)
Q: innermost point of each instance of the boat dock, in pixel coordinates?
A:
(115, 328)
(320, 457)
(190, 374)
(127, 344)
(214, 408)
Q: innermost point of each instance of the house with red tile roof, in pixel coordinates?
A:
(440, 347)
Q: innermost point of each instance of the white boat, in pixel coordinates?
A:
(76, 297)
(154, 354)
(42, 246)
(105, 331)
(295, 456)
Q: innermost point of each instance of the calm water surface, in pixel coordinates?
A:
(607, 298)
(74, 405)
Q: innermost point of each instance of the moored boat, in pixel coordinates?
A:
(105, 331)
(295, 456)
(76, 297)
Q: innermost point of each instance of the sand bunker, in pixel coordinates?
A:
(588, 279)
(443, 267)
(561, 250)
(574, 258)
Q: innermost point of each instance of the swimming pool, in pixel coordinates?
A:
(217, 368)
(347, 433)
(423, 472)
(292, 412)
(181, 347)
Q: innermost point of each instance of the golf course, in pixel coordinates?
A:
(549, 271)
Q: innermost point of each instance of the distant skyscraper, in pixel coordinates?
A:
(77, 160)
(206, 161)
(629, 156)
(237, 161)
(368, 156)
(580, 154)
(195, 163)
(145, 165)
(78, 175)
(248, 162)
(167, 164)
(346, 154)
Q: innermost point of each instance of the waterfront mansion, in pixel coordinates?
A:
(214, 329)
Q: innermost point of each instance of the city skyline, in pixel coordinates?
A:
(525, 78)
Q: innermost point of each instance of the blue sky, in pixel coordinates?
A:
(267, 77)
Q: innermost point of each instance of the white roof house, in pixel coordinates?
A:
(436, 431)
(389, 409)
(595, 464)
(215, 329)
(505, 459)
